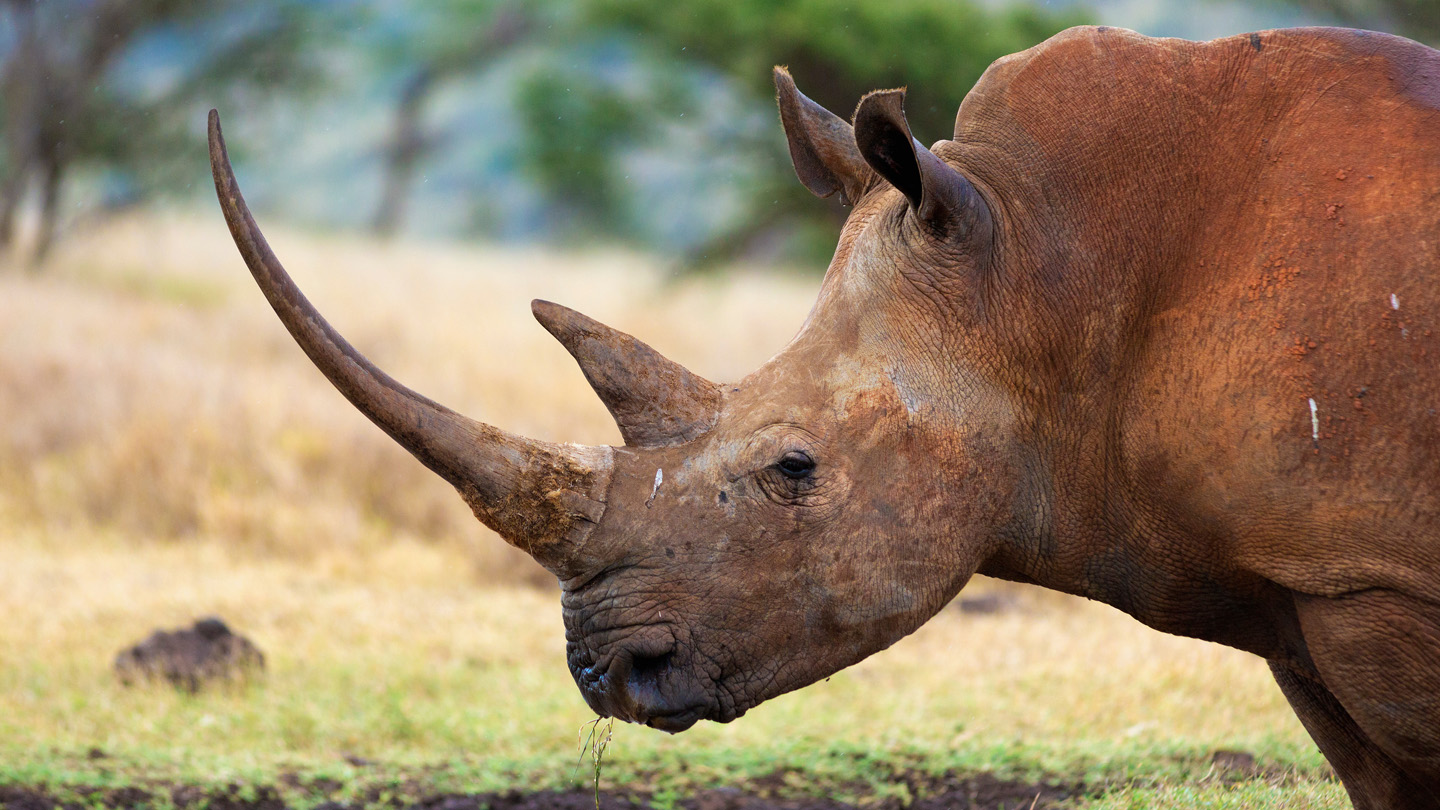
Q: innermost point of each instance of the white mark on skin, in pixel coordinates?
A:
(1314, 422)
(907, 394)
(1394, 302)
(659, 479)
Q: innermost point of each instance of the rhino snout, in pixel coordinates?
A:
(640, 680)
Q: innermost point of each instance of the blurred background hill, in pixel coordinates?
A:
(644, 123)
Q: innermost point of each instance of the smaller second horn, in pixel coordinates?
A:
(655, 401)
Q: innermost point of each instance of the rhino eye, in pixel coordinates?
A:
(796, 464)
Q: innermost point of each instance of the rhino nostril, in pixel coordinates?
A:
(645, 669)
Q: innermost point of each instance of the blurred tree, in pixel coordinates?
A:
(606, 88)
(61, 108)
(569, 137)
(578, 165)
(837, 49)
(583, 115)
(1417, 19)
(457, 38)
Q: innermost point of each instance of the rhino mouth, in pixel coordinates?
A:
(647, 690)
(678, 722)
(658, 701)
(648, 680)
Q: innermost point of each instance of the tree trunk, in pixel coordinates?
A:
(403, 153)
(12, 191)
(20, 79)
(408, 141)
(53, 167)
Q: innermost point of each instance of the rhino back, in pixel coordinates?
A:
(1233, 246)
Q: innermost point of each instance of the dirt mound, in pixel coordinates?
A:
(190, 657)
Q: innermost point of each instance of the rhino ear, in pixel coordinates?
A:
(822, 145)
(655, 401)
(938, 194)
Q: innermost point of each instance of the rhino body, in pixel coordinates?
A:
(1155, 328)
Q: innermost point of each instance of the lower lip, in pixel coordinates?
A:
(678, 722)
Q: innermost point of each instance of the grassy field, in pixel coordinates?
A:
(167, 453)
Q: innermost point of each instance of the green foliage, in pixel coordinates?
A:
(118, 87)
(838, 50)
(579, 170)
(252, 49)
(1417, 19)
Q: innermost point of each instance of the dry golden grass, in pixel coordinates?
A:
(169, 453)
(410, 663)
(148, 389)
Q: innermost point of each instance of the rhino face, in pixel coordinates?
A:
(787, 543)
(749, 538)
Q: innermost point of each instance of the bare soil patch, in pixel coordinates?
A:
(952, 792)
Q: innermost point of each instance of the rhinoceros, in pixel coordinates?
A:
(1156, 327)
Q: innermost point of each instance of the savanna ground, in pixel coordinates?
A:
(167, 453)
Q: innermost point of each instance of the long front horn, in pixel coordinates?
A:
(655, 401)
(542, 498)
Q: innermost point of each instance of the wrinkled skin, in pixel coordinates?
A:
(1077, 346)
(738, 582)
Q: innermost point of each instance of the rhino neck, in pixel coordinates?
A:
(1082, 529)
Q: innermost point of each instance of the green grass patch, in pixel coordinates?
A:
(411, 680)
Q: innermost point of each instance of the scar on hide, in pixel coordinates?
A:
(1314, 425)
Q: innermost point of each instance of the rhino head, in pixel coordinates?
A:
(749, 538)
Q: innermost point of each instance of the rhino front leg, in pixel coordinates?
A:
(1370, 694)
(1378, 651)
(1373, 781)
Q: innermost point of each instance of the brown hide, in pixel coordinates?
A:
(1229, 228)
(1199, 241)
(1158, 328)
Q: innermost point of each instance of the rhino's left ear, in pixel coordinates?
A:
(822, 145)
(938, 194)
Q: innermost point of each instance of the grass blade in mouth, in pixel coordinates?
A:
(595, 744)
